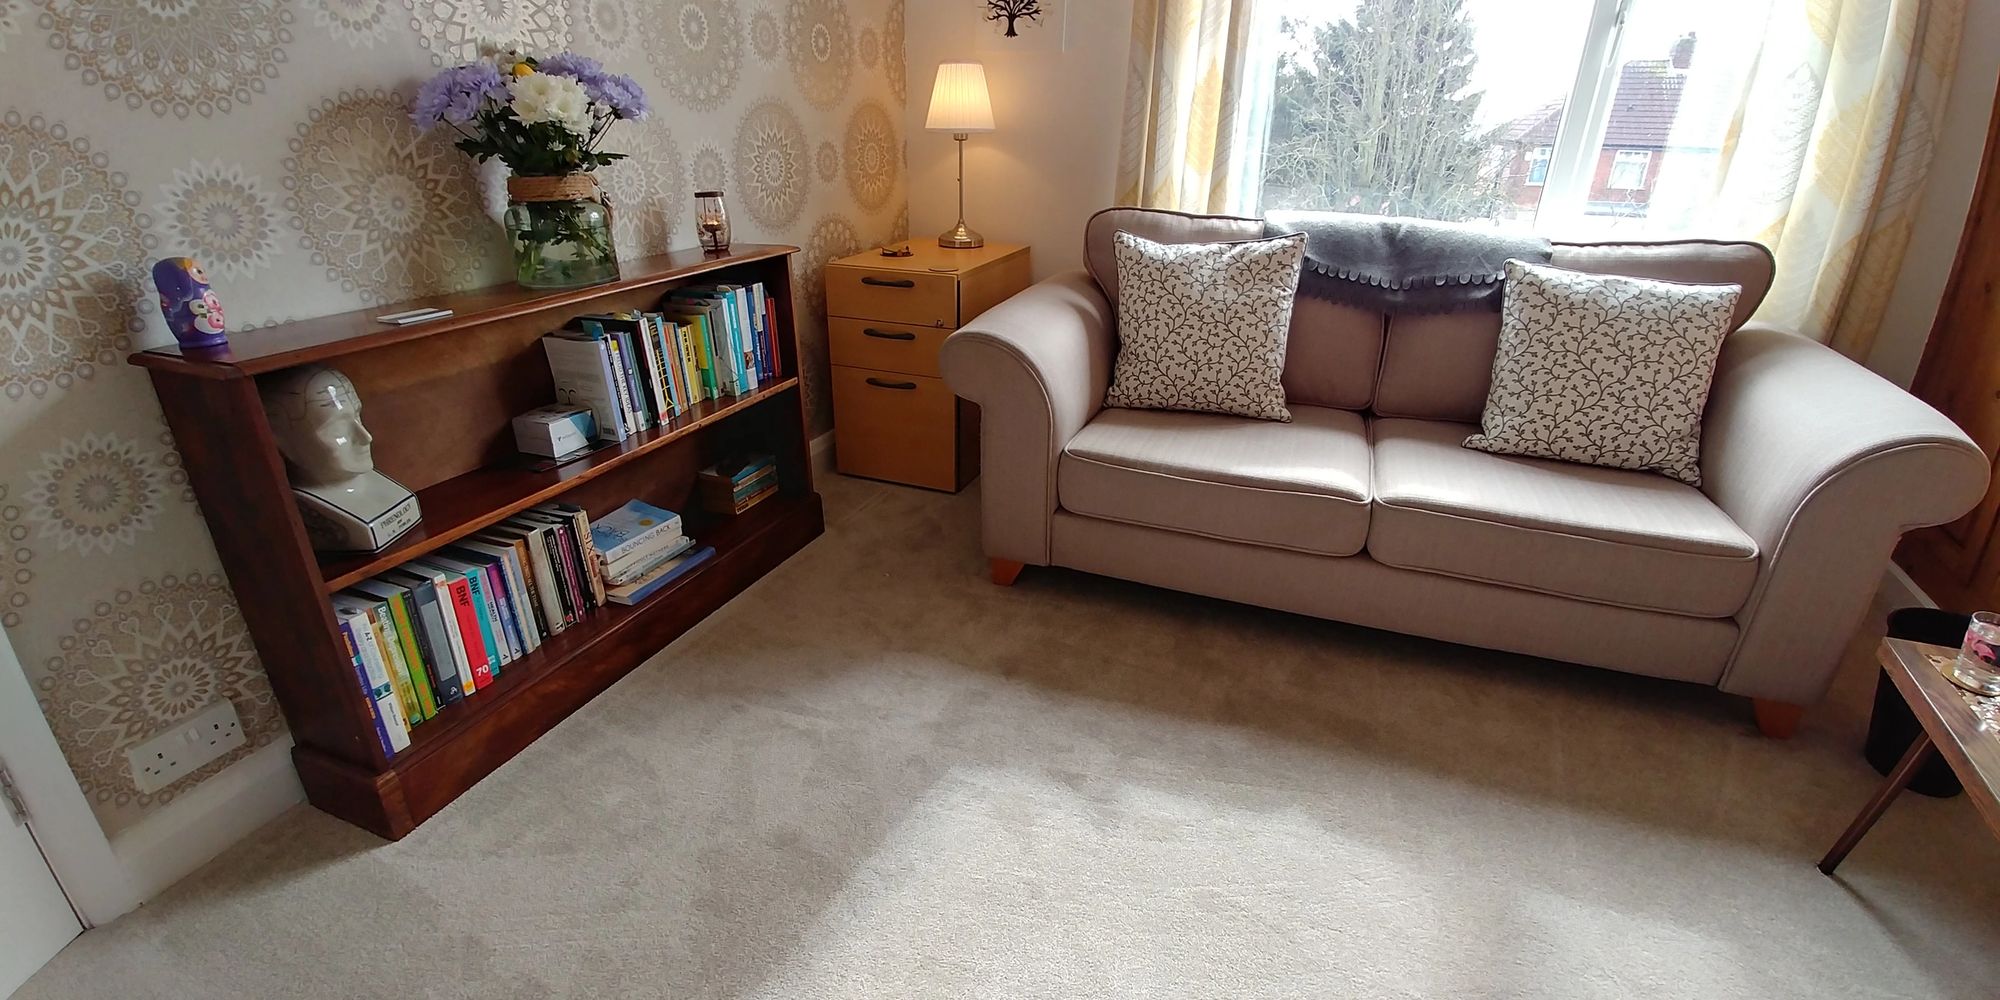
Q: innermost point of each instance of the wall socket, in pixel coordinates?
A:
(176, 752)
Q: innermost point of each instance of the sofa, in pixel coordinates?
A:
(1366, 509)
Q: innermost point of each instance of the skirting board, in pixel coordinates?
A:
(191, 830)
(1899, 591)
(822, 454)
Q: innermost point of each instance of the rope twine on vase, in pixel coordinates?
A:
(579, 186)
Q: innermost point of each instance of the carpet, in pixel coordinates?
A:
(875, 774)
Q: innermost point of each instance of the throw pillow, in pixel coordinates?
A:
(1604, 369)
(1202, 326)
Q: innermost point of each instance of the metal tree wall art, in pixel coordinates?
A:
(1013, 10)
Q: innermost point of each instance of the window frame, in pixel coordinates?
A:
(1538, 156)
(1642, 158)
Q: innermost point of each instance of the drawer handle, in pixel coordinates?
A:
(879, 384)
(888, 334)
(888, 282)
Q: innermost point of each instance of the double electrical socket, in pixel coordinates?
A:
(190, 743)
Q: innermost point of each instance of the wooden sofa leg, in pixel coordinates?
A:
(1004, 571)
(1777, 719)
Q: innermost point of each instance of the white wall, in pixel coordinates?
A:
(1947, 197)
(1053, 157)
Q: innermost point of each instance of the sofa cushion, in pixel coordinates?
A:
(1202, 326)
(1302, 485)
(1632, 539)
(1333, 351)
(1440, 367)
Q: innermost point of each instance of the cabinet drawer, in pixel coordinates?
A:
(918, 298)
(895, 426)
(866, 343)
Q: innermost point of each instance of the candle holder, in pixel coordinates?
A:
(711, 221)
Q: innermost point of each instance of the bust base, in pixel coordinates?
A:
(362, 514)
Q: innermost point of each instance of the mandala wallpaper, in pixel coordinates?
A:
(271, 141)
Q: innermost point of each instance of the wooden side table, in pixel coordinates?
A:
(1950, 730)
(893, 416)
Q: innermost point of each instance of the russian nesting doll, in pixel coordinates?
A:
(193, 312)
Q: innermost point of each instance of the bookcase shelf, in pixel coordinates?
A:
(438, 398)
(468, 503)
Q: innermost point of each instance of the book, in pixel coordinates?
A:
(581, 370)
(432, 639)
(650, 368)
(747, 336)
(485, 604)
(704, 317)
(586, 550)
(629, 570)
(376, 675)
(547, 564)
(660, 577)
(504, 592)
(771, 322)
(521, 598)
(631, 528)
(402, 612)
(470, 622)
(367, 687)
(575, 569)
(444, 604)
(387, 647)
(739, 506)
(621, 373)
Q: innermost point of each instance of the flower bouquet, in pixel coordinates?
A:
(544, 119)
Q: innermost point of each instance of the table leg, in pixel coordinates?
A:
(1920, 751)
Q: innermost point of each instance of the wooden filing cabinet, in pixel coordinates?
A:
(893, 416)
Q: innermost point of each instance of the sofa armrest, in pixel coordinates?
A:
(1037, 365)
(1825, 465)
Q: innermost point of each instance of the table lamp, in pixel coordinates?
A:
(959, 105)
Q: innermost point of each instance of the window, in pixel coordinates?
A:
(1576, 118)
(1628, 170)
(1538, 165)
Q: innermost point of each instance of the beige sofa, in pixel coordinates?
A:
(1365, 508)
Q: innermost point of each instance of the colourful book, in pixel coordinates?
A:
(581, 371)
(500, 593)
(416, 651)
(380, 689)
(485, 613)
(632, 570)
(771, 321)
(660, 578)
(541, 559)
(631, 528)
(586, 549)
(471, 624)
(367, 688)
(374, 617)
(521, 598)
(443, 624)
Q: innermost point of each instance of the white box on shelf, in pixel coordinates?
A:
(554, 431)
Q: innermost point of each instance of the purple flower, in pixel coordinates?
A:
(458, 95)
(620, 93)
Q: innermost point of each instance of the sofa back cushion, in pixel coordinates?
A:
(1428, 367)
(1332, 352)
(1440, 367)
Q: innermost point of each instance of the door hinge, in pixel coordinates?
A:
(17, 809)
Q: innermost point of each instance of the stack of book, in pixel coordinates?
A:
(637, 371)
(641, 549)
(441, 628)
(734, 486)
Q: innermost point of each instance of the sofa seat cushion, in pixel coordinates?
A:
(1301, 486)
(1612, 536)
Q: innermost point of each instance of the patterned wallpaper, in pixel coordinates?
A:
(270, 140)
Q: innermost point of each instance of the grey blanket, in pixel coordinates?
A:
(1403, 266)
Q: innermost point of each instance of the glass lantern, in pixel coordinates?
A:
(711, 221)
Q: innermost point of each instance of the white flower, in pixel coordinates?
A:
(541, 97)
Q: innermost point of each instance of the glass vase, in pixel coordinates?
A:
(560, 230)
(711, 221)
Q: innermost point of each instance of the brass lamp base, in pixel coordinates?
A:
(960, 238)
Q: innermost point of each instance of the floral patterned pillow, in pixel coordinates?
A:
(1202, 326)
(1604, 369)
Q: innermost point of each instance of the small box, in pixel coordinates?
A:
(554, 431)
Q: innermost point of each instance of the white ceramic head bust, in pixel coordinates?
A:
(316, 415)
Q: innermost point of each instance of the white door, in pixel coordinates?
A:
(35, 918)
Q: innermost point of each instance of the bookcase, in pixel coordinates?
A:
(439, 398)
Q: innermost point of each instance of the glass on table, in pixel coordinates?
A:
(1978, 665)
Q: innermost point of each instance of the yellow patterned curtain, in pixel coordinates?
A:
(1179, 150)
(1827, 153)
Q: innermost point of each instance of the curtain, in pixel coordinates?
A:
(1180, 148)
(1826, 155)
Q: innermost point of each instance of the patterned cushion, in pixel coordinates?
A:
(1604, 369)
(1202, 326)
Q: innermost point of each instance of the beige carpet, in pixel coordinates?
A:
(876, 775)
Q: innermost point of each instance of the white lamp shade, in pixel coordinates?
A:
(958, 100)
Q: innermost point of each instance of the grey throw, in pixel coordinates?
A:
(1404, 266)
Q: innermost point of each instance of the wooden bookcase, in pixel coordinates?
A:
(439, 398)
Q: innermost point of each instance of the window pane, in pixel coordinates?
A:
(1444, 109)
(1683, 65)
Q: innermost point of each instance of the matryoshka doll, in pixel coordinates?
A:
(193, 312)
